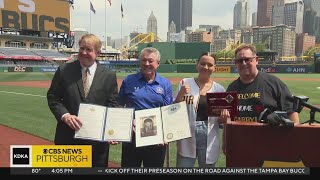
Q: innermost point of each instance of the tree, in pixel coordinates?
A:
(260, 47)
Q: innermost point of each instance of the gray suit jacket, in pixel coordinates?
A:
(66, 93)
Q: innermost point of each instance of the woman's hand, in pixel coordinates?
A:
(222, 119)
(184, 89)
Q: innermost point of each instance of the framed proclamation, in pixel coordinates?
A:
(100, 123)
(162, 125)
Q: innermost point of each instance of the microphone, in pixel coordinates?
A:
(276, 118)
(301, 101)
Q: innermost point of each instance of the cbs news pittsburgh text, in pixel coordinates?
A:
(77, 160)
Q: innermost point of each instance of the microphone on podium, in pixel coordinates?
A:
(301, 101)
(276, 118)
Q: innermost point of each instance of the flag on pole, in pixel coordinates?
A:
(92, 8)
(109, 2)
(71, 4)
(121, 11)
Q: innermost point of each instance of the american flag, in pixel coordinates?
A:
(92, 8)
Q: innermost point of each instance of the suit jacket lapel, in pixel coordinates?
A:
(79, 82)
(97, 77)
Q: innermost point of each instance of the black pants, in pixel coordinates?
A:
(148, 156)
(100, 154)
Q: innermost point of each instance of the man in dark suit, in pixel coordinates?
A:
(69, 88)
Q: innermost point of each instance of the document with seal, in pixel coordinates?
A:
(102, 123)
(218, 101)
(162, 125)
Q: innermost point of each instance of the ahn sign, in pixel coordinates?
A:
(37, 15)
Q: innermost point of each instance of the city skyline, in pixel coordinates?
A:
(180, 14)
(135, 18)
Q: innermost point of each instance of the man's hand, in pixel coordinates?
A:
(72, 121)
(113, 142)
(134, 125)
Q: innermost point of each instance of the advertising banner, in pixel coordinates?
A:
(37, 15)
(296, 69)
(20, 69)
(223, 69)
(48, 69)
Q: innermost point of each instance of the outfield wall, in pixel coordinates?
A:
(191, 68)
(177, 68)
(27, 69)
(177, 50)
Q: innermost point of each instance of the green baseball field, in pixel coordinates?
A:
(23, 105)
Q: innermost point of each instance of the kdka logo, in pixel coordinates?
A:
(20, 156)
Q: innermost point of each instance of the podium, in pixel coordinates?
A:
(253, 144)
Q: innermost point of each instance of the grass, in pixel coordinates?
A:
(32, 115)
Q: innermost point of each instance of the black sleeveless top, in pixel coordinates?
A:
(202, 114)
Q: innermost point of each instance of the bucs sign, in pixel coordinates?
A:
(37, 15)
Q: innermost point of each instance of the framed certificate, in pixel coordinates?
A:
(218, 101)
(162, 125)
(102, 123)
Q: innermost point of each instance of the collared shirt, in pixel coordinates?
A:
(136, 92)
(92, 71)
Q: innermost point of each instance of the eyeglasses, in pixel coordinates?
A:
(247, 60)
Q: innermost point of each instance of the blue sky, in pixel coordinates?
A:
(136, 13)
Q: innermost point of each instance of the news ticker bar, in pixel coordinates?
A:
(162, 171)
